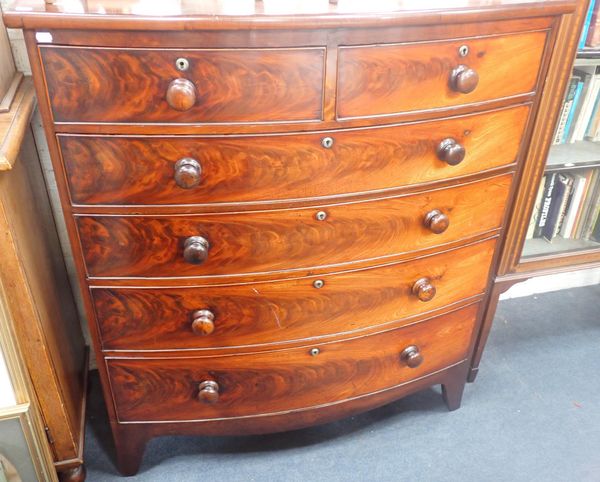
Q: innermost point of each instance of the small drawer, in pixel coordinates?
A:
(206, 388)
(183, 86)
(288, 310)
(389, 79)
(231, 169)
(288, 239)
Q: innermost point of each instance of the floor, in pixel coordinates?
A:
(532, 415)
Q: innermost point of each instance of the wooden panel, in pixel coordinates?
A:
(194, 16)
(41, 302)
(387, 79)
(140, 170)
(167, 388)
(263, 313)
(261, 241)
(231, 85)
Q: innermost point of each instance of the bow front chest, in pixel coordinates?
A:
(283, 217)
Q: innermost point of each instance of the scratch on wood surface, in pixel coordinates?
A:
(271, 308)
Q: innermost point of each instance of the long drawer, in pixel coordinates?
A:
(288, 310)
(387, 79)
(124, 85)
(138, 170)
(288, 239)
(205, 388)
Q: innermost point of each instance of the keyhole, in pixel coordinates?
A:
(182, 64)
(463, 50)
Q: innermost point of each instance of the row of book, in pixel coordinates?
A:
(590, 34)
(567, 206)
(580, 114)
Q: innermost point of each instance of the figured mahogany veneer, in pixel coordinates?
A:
(164, 389)
(143, 169)
(386, 79)
(282, 220)
(242, 85)
(288, 239)
(287, 310)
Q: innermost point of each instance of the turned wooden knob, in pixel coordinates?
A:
(203, 322)
(436, 221)
(181, 94)
(411, 356)
(187, 173)
(463, 79)
(423, 289)
(195, 249)
(208, 391)
(451, 152)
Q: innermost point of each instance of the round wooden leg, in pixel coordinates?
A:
(74, 474)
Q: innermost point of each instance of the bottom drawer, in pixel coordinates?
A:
(208, 388)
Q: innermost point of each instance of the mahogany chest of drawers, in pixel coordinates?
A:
(278, 219)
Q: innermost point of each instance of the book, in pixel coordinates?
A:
(565, 111)
(594, 124)
(566, 199)
(585, 207)
(545, 204)
(591, 87)
(574, 205)
(548, 186)
(593, 212)
(574, 108)
(556, 207)
(535, 215)
(595, 235)
(591, 29)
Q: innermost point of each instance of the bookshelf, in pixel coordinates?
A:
(566, 213)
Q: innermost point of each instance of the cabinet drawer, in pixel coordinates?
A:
(136, 85)
(288, 239)
(388, 79)
(229, 169)
(288, 310)
(163, 389)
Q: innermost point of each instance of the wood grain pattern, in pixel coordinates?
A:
(14, 124)
(253, 85)
(40, 300)
(261, 383)
(263, 241)
(287, 310)
(386, 79)
(148, 239)
(140, 170)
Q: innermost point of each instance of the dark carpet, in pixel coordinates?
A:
(533, 414)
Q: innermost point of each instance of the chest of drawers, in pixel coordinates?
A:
(280, 220)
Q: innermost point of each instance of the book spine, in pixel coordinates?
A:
(566, 109)
(574, 206)
(586, 25)
(583, 217)
(572, 110)
(594, 210)
(595, 236)
(535, 215)
(567, 197)
(545, 205)
(590, 91)
(562, 122)
(556, 201)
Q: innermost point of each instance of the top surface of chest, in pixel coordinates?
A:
(221, 14)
